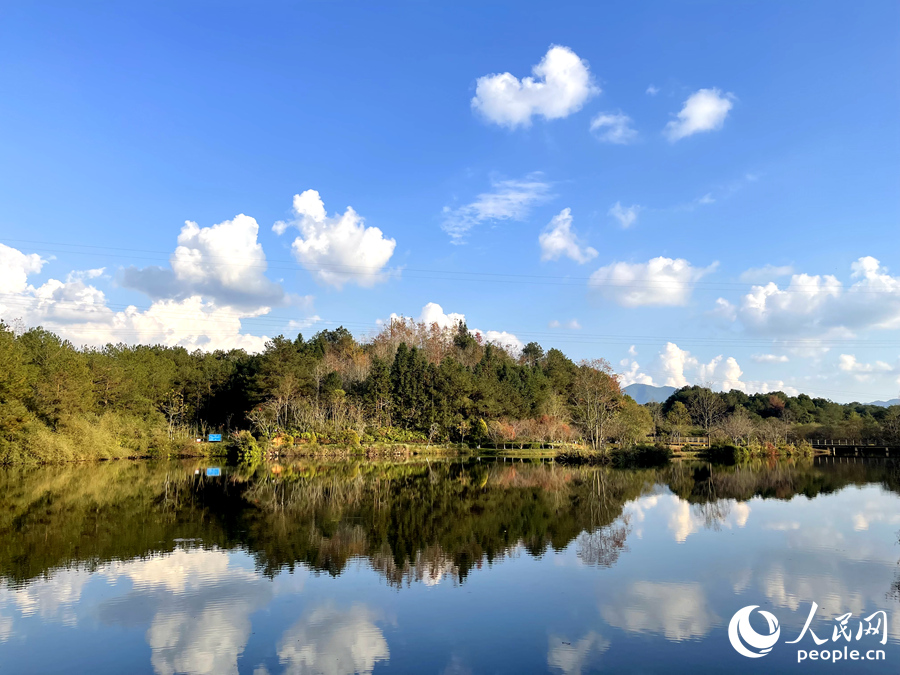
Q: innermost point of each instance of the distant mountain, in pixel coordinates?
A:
(645, 393)
(883, 404)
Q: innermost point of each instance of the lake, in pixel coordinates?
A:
(453, 566)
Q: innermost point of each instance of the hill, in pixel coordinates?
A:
(645, 393)
(883, 404)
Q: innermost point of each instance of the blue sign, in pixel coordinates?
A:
(214, 438)
(214, 472)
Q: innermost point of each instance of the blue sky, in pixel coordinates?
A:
(732, 136)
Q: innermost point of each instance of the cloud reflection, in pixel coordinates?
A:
(198, 603)
(570, 658)
(679, 611)
(329, 641)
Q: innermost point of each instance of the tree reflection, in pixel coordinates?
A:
(414, 522)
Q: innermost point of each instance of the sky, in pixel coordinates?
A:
(698, 192)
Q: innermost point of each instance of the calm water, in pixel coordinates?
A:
(448, 567)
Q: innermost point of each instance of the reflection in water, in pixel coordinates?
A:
(573, 657)
(677, 611)
(329, 641)
(351, 568)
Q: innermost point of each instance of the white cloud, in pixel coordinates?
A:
(558, 239)
(615, 128)
(633, 375)
(674, 361)
(66, 302)
(561, 84)
(340, 249)
(507, 341)
(652, 91)
(769, 358)
(704, 110)
(78, 311)
(849, 364)
(15, 267)
(632, 350)
(822, 305)
(572, 324)
(724, 310)
(224, 263)
(329, 641)
(658, 282)
(765, 273)
(302, 324)
(434, 313)
(680, 369)
(731, 375)
(507, 200)
(627, 216)
(190, 323)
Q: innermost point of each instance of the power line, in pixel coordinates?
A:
(437, 275)
(563, 338)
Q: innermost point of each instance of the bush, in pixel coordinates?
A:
(641, 455)
(246, 446)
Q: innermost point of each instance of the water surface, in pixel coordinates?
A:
(447, 567)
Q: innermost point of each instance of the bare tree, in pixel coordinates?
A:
(706, 407)
(737, 426)
(596, 399)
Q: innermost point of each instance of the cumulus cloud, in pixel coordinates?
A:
(507, 200)
(627, 216)
(15, 267)
(615, 128)
(704, 110)
(559, 239)
(674, 361)
(224, 263)
(658, 282)
(680, 369)
(78, 311)
(501, 338)
(821, 304)
(434, 313)
(340, 249)
(652, 91)
(632, 374)
(765, 273)
(560, 86)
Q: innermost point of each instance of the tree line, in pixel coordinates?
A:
(410, 382)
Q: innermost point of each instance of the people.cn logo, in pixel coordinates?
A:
(745, 640)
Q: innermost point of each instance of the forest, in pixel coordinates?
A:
(409, 383)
